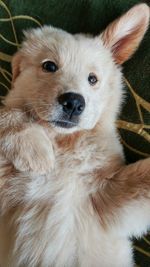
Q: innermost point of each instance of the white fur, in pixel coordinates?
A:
(55, 224)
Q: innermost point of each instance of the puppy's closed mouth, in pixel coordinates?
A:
(64, 124)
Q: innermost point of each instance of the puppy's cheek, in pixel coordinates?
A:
(56, 113)
(46, 111)
(41, 113)
(87, 124)
(90, 117)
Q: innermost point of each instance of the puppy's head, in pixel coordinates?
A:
(74, 81)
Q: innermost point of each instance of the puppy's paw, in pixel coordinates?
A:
(35, 152)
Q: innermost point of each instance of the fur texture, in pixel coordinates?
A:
(67, 198)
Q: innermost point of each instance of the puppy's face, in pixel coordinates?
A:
(73, 81)
(66, 79)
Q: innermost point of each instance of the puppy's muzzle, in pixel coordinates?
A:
(72, 107)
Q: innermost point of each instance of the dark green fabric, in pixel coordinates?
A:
(88, 16)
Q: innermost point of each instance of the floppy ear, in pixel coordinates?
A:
(124, 35)
(16, 65)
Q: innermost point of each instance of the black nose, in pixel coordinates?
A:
(73, 104)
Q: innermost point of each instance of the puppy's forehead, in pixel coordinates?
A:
(60, 46)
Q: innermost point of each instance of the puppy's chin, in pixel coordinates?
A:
(61, 125)
(58, 127)
(63, 130)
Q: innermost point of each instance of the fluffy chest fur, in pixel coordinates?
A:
(74, 214)
(57, 218)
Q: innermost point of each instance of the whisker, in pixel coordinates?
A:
(32, 101)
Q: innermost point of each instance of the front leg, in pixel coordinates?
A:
(25, 144)
(123, 204)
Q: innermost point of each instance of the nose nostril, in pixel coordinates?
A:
(65, 103)
(68, 105)
(80, 108)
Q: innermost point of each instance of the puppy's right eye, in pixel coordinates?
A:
(49, 66)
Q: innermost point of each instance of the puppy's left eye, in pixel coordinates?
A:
(49, 66)
(92, 79)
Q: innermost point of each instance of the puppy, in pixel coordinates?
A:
(67, 198)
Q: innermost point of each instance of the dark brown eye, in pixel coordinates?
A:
(92, 79)
(49, 66)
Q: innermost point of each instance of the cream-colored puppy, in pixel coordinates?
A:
(67, 199)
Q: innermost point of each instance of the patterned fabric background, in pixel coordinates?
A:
(88, 16)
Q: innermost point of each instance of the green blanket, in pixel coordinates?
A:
(88, 16)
